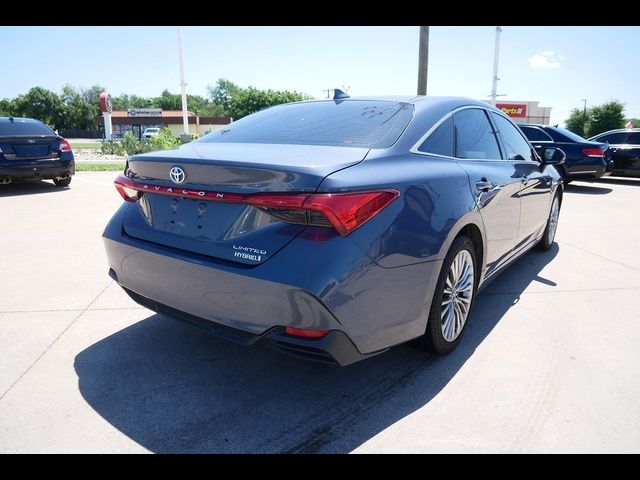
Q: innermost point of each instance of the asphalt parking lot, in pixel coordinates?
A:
(549, 364)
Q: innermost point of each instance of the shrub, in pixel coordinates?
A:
(164, 140)
(130, 145)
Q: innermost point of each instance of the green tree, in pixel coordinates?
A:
(577, 121)
(168, 101)
(7, 107)
(607, 116)
(223, 92)
(41, 104)
(82, 107)
(250, 100)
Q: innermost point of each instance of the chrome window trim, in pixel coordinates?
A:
(415, 150)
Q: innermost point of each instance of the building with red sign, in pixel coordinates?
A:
(525, 112)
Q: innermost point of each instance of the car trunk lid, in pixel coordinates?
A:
(210, 225)
(29, 147)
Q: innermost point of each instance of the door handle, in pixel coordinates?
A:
(484, 185)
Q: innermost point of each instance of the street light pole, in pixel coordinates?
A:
(423, 60)
(584, 113)
(183, 85)
(496, 55)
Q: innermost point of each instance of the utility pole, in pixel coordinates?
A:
(183, 85)
(423, 60)
(584, 113)
(496, 55)
(328, 90)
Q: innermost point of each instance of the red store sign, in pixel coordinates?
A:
(513, 109)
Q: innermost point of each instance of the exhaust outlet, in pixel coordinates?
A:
(5, 180)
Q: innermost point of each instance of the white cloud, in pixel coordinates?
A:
(546, 60)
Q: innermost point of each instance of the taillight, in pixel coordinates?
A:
(65, 146)
(593, 152)
(343, 211)
(303, 332)
(126, 188)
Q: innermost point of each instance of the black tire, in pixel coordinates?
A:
(546, 242)
(433, 339)
(62, 182)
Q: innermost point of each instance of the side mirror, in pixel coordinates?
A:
(553, 156)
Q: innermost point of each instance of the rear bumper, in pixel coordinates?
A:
(329, 284)
(33, 169)
(587, 172)
(335, 348)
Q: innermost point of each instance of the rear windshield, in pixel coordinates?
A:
(20, 127)
(351, 123)
(572, 137)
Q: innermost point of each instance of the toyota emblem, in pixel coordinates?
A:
(177, 175)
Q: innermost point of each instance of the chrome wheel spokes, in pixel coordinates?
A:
(553, 220)
(457, 296)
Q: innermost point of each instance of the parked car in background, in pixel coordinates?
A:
(150, 132)
(334, 229)
(586, 160)
(31, 150)
(624, 145)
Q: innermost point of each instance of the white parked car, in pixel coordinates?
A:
(150, 132)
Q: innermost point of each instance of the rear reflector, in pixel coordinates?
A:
(593, 152)
(302, 332)
(343, 211)
(65, 146)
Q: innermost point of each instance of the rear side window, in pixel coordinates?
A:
(22, 127)
(441, 140)
(517, 148)
(350, 123)
(634, 138)
(536, 134)
(613, 138)
(474, 135)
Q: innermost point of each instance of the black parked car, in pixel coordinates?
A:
(31, 150)
(625, 150)
(586, 160)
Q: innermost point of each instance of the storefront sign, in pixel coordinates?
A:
(513, 109)
(144, 112)
(106, 105)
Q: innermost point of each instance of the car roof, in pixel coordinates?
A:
(18, 119)
(618, 130)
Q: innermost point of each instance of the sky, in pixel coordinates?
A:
(557, 66)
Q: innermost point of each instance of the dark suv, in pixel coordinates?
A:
(31, 150)
(586, 160)
(625, 150)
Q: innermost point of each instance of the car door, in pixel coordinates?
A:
(621, 151)
(535, 183)
(493, 181)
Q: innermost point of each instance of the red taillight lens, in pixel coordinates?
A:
(303, 332)
(343, 211)
(593, 152)
(126, 188)
(65, 146)
(347, 211)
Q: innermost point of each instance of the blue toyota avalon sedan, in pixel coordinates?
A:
(334, 229)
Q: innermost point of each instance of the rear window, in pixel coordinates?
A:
(20, 127)
(535, 134)
(350, 123)
(563, 135)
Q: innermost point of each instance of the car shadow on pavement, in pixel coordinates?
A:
(173, 389)
(634, 182)
(29, 188)
(587, 189)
